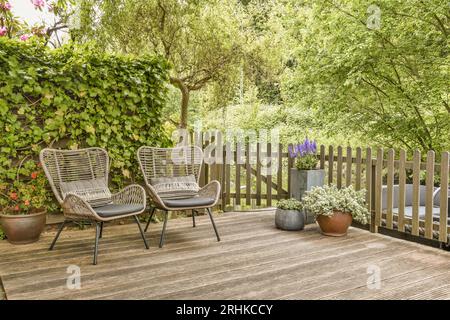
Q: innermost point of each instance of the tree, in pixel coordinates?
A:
(380, 71)
(12, 27)
(201, 40)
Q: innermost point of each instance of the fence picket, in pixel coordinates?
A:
(390, 189)
(330, 164)
(444, 195)
(248, 176)
(401, 191)
(339, 168)
(379, 187)
(416, 193)
(429, 195)
(358, 169)
(280, 172)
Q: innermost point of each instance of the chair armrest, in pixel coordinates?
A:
(74, 207)
(132, 194)
(211, 190)
(155, 198)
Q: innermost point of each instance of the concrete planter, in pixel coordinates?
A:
(305, 180)
(290, 220)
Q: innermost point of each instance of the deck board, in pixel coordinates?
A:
(253, 261)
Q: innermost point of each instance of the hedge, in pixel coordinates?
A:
(74, 97)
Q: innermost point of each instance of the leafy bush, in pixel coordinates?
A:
(324, 200)
(74, 97)
(289, 204)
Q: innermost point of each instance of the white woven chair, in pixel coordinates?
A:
(177, 166)
(79, 180)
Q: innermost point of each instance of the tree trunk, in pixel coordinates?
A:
(184, 100)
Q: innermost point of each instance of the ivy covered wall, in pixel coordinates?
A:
(75, 97)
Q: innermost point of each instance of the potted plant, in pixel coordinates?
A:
(289, 216)
(335, 209)
(306, 174)
(23, 214)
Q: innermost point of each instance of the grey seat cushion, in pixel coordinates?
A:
(189, 202)
(112, 210)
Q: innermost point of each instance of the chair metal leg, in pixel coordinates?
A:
(150, 219)
(97, 238)
(214, 225)
(101, 229)
(61, 227)
(141, 231)
(193, 218)
(161, 240)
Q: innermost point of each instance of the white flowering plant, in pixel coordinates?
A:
(289, 204)
(327, 199)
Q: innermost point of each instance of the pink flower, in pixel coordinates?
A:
(38, 3)
(25, 37)
(3, 31)
(6, 6)
(27, 202)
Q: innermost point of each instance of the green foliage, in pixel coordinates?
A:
(74, 97)
(327, 199)
(388, 84)
(306, 162)
(289, 204)
(27, 192)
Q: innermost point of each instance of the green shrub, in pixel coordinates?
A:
(327, 199)
(289, 204)
(75, 97)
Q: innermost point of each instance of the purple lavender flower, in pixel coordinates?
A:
(308, 147)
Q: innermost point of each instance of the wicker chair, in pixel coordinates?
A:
(79, 180)
(170, 163)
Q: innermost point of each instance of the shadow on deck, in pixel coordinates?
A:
(253, 261)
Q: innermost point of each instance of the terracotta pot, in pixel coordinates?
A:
(23, 229)
(335, 225)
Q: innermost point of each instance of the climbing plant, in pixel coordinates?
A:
(74, 97)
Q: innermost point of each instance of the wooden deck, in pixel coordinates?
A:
(253, 261)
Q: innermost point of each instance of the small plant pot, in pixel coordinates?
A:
(290, 220)
(335, 225)
(23, 229)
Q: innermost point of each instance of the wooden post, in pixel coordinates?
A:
(322, 157)
(228, 174)
(370, 196)
(258, 174)
(429, 195)
(330, 164)
(401, 191)
(248, 176)
(280, 172)
(373, 188)
(238, 156)
(348, 167)
(358, 169)
(290, 165)
(339, 168)
(379, 187)
(444, 197)
(390, 189)
(269, 175)
(416, 193)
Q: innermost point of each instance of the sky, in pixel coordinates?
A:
(24, 9)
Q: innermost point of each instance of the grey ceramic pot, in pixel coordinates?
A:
(291, 220)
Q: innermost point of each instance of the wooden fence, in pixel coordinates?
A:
(245, 185)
